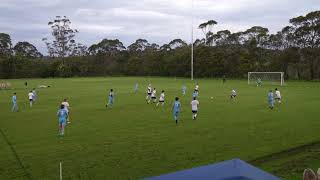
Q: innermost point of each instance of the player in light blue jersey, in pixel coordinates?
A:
(14, 103)
(270, 99)
(195, 94)
(110, 99)
(62, 117)
(136, 88)
(176, 109)
(184, 90)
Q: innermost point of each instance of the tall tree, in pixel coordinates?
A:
(108, 47)
(206, 28)
(63, 37)
(307, 30)
(139, 46)
(5, 45)
(27, 50)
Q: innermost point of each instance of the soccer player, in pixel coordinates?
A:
(176, 109)
(30, 95)
(26, 84)
(153, 96)
(136, 88)
(66, 106)
(149, 92)
(62, 116)
(259, 82)
(161, 99)
(14, 103)
(110, 99)
(195, 94)
(233, 94)
(194, 107)
(270, 99)
(224, 80)
(278, 95)
(196, 88)
(184, 90)
(34, 92)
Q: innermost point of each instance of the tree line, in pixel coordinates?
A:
(295, 50)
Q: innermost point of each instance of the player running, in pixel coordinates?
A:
(161, 99)
(233, 95)
(224, 79)
(277, 95)
(30, 95)
(270, 99)
(176, 109)
(149, 92)
(66, 107)
(153, 96)
(14, 103)
(62, 116)
(34, 92)
(110, 99)
(195, 94)
(184, 90)
(194, 107)
(197, 88)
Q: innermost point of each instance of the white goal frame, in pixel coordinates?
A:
(281, 74)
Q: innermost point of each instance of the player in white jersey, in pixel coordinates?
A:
(233, 94)
(161, 99)
(194, 107)
(149, 92)
(196, 88)
(277, 95)
(30, 95)
(67, 109)
(153, 96)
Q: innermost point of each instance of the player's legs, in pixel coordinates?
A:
(15, 108)
(110, 102)
(271, 104)
(194, 115)
(30, 102)
(176, 116)
(62, 128)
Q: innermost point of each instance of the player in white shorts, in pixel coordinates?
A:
(161, 99)
(67, 109)
(153, 96)
(233, 94)
(149, 92)
(30, 95)
(277, 95)
(194, 107)
(196, 88)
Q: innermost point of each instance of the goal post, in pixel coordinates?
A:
(275, 78)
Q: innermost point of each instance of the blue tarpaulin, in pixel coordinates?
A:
(235, 169)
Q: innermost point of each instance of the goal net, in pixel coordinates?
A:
(274, 78)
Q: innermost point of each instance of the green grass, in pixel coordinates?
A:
(135, 140)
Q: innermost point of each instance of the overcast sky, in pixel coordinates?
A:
(157, 21)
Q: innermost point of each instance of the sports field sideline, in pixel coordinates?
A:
(135, 140)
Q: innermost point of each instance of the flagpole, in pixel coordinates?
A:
(192, 39)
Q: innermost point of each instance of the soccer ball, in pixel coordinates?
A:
(211, 97)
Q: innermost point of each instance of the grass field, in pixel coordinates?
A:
(135, 140)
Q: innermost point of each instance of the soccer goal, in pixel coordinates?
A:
(276, 78)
